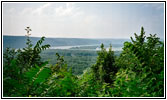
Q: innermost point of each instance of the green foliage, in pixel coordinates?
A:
(62, 82)
(128, 84)
(88, 85)
(146, 60)
(16, 64)
(30, 56)
(62, 86)
(78, 60)
(104, 69)
(9, 55)
(11, 78)
(137, 72)
(37, 76)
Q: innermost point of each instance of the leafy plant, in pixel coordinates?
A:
(137, 72)
(30, 56)
(105, 67)
(146, 68)
(17, 63)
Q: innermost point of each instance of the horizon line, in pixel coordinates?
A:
(67, 37)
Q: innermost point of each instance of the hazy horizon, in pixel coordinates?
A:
(83, 20)
(66, 37)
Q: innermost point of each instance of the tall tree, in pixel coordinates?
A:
(104, 68)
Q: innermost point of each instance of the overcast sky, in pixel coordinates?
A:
(83, 20)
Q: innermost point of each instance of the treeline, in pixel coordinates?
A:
(76, 59)
(20, 41)
(137, 72)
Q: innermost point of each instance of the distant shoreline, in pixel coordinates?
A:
(65, 37)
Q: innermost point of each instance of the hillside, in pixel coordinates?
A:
(20, 41)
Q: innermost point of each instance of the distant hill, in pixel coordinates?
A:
(20, 41)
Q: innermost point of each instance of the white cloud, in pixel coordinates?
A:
(75, 20)
(39, 10)
(68, 10)
(26, 11)
(52, 10)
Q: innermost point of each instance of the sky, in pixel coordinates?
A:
(83, 20)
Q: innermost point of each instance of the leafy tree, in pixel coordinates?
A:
(62, 82)
(137, 72)
(16, 63)
(30, 56)
(104, 68)
(88, 85)
(145, 59)
(37, 76)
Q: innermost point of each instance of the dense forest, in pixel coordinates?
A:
(77, 59)
(137, 72)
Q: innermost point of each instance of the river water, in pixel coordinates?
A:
(78, 46)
